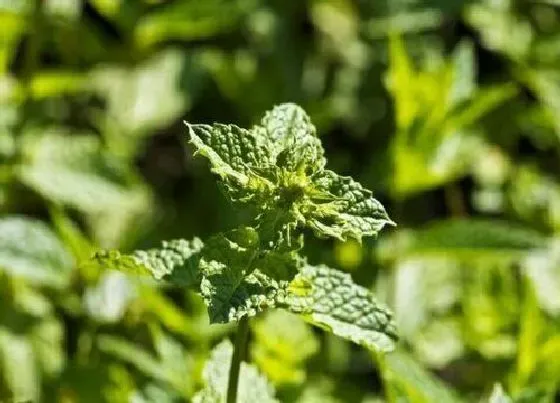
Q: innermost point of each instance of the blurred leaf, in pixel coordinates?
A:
(499, 396)
(56, 83)
(108, 300)
(18, 367)
(172, 365)
(282, 344)
(29, 249)
(467, 239)
(140, 99)
(406, 381)
(189, 20)
(75, 171)
(252, 388)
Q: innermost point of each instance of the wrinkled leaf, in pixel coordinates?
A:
(175, 261)
(330, 299)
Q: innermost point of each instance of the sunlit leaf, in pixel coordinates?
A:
(330, 299)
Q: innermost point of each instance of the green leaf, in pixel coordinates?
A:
(282, 343)
(233, 153)
(343, 209)
(467, 239)
(252, 388)
(189, 20)
(29, 249)
(499, 396)
(239, 279)
(292, 139)
(18, 368)
(330, 299)
(76, 171)
(175, 261)
(172, 365)
(280, 166)
(407, 381)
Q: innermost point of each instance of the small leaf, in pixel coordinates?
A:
(499, 396)
(343, 209)
(292, 139)
(252, 388)
(175, 261)
(29, 249)
(233, 152)
(330, 299)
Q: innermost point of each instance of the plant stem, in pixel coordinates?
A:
(238, 356)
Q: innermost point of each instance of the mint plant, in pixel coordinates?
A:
(279, 169)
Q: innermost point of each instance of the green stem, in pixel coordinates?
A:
(238, 356)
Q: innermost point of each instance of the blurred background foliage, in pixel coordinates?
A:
(448, 110)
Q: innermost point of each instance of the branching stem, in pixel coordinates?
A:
(239, 354)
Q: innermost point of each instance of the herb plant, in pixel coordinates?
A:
(277, 170)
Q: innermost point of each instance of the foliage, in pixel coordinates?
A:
(448, 110)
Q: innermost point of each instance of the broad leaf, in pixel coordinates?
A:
(343, 208)
(330, 299)
(76, 171)
(30, 250)
(239, 279)
(252, 387)
(175, 261)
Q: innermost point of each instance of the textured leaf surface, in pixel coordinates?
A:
(30, 250)
(330, 299)
(236, 276)
(279, 165)
(175, 261)
(292, 139)
(252, 388)
(232, 153)
(348, 211)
